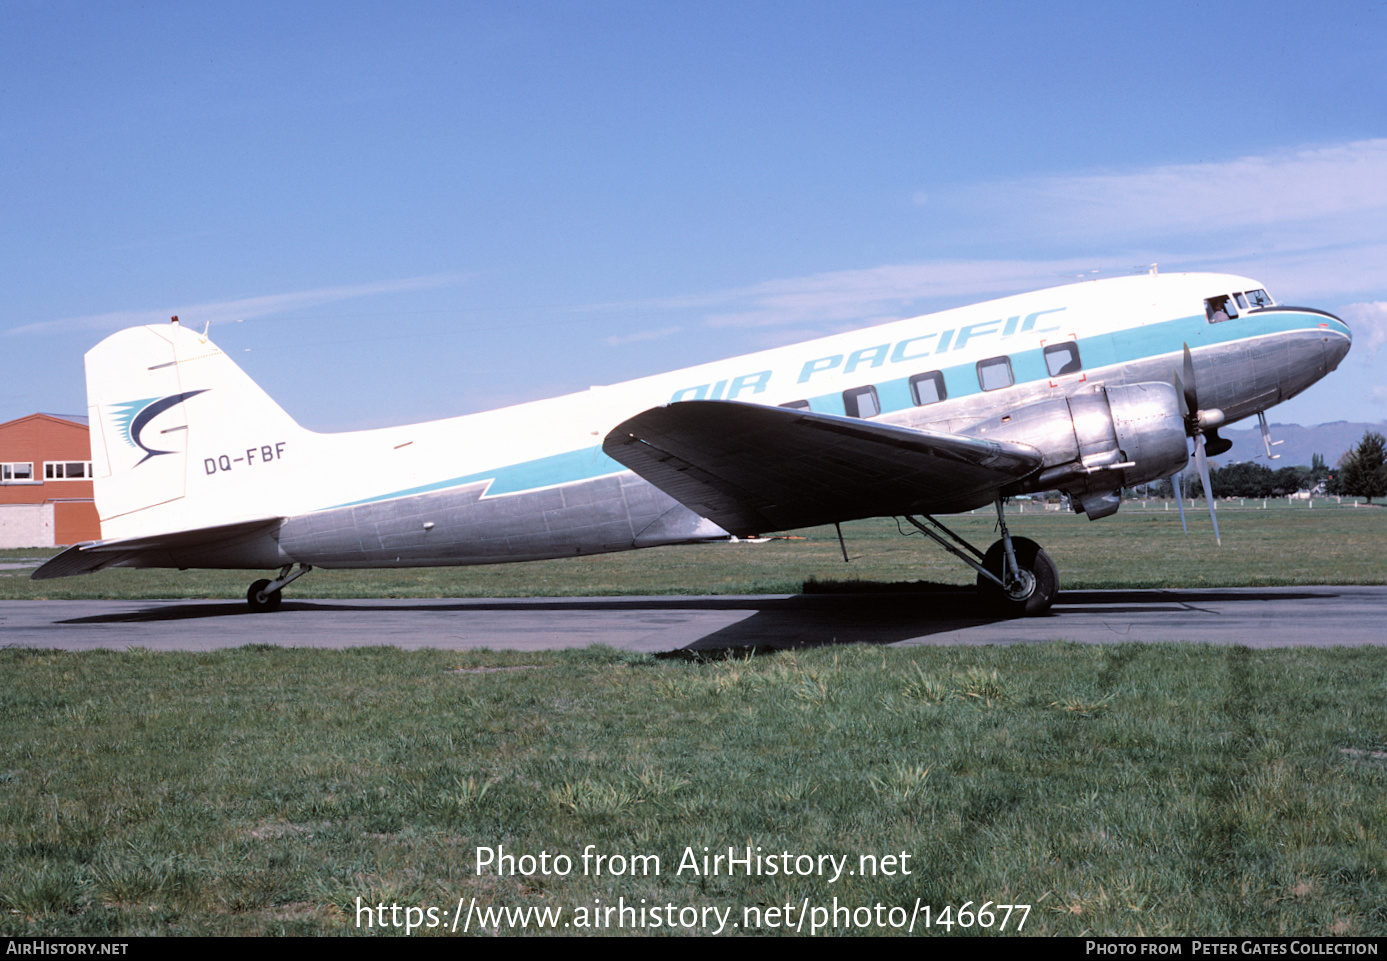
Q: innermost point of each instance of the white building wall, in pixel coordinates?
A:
(26, 525)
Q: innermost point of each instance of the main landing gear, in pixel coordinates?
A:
(1015, 577)
(264, 596)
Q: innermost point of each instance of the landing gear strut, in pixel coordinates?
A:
(264, 596)
(1015, 577)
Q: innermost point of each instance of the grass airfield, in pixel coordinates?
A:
(1124, 789)
(1135, 548)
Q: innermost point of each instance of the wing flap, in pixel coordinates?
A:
(751, 468)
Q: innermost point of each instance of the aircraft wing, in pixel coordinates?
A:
(751, 468)
(159, 550)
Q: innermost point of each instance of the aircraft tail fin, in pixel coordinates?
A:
(178, 432)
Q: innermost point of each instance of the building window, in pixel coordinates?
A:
(861, 402)
(1063, 359)
(928, 388)
(995, 373)
(17, 472)
(67, 470)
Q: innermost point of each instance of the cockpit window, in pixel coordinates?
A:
(1220, 308)
(1242, 301)
(1259, 298)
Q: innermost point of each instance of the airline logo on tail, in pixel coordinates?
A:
(133, 416)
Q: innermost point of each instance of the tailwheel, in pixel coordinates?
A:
(262, 601)
(1033, 588)
(264, 596)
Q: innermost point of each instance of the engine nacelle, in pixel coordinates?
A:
(1127, 436)
(1098, 442)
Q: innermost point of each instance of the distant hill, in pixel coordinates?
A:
(1331, 440)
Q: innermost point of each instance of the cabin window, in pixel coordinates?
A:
(995, 373)
(17, 472)
(70, 470)
(1061, 359)
(861, 402)
(1259, 298)
(928, 388)
(796, 404)
(1220, 308)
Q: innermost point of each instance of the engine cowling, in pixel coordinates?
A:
(1126, 435)
(1097, 442)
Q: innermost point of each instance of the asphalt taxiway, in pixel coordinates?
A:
(1254, 617)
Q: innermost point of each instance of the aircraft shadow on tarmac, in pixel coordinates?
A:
(777, 622)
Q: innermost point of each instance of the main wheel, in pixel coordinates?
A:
(1039, 582)
(259, 601)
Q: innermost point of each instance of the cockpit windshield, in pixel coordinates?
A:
(1220, 308)
(1227, 306)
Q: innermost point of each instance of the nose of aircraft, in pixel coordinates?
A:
(1337, 342)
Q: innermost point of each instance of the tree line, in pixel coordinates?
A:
(1361, 472)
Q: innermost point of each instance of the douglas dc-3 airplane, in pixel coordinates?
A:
(1085, 388)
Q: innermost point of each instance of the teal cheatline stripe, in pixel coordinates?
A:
(895, 394)
(566, 468)
(1097, 350)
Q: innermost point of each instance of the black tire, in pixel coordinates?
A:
(1030, 557)
(270, 602)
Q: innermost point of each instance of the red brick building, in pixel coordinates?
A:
(46, 482)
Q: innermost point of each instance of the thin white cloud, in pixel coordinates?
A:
(1310, 223)
(818, 303)
(1319, 277)
(244, 308)
(854, 298)
(883, 293)
(642, 335)
(1343, 183)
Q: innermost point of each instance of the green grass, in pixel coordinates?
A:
(1135, 548)
(1132, 789)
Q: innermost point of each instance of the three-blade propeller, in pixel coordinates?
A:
(1197, 421)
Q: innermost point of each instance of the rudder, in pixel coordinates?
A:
(164, 404)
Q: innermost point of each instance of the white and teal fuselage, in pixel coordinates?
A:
(531, 481)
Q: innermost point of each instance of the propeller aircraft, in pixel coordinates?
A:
(1087, 388)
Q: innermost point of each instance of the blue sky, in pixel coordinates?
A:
(402, 212)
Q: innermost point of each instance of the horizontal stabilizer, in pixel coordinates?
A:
(751, 468)
(159, 550)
